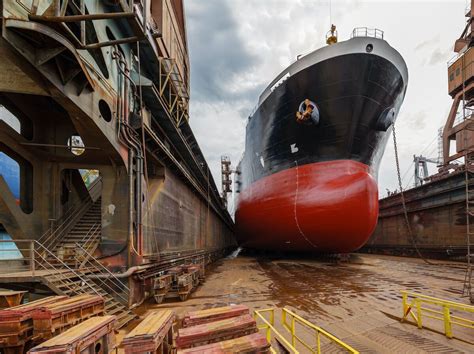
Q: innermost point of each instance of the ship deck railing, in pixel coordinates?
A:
(420, 306)
(302, 333)
(367, 32)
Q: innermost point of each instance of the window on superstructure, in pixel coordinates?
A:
(457, 71)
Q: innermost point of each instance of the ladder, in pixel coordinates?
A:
(469, 177)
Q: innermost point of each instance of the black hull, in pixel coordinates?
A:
(358, 96)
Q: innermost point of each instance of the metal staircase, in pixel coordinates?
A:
(86, 232)
(91, 278)
(63, 258)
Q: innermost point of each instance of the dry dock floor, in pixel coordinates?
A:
(359, 300)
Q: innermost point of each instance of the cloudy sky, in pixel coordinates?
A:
(238, 46)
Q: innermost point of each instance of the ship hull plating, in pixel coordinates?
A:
(312, 186)
(326, 206)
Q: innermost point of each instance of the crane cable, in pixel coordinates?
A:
(402, 197)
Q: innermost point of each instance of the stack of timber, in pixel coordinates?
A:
(178, 281)
(16, 324)
(215, 330)
(253, 343)
(95, 335)
(153, 335)
(54, 318)
(195, 318)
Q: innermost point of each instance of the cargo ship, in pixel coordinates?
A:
(308, 178)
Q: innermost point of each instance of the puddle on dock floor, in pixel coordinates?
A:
(358, 300)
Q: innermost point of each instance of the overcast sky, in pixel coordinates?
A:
(238, 46)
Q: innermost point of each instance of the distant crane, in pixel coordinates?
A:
(421, 168)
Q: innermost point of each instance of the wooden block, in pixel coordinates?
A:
(152, 334)
(95, 335)
(216, 331)
(214, 314)
(253, 343)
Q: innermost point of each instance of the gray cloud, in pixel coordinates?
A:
(218, 54)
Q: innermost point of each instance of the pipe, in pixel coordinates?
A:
(134, 145)
(125, 274)
(78, 18)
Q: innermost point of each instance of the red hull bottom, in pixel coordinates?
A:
(324, 207)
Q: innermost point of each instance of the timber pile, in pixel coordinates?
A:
(16, 324)
(50, 320)
(178, 281)
(215, 331)
(161, 286)
(253, 343)
(95, 335)
(153, 335)
(214, 314)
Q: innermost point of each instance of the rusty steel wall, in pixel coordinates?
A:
(157, 194)
(437, 216)
(177, 219)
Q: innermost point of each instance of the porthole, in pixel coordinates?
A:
(105, 111)
(369, 48)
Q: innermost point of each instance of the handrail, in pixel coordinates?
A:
(367, 32)
(103, 267)
(71, 216)
(318, 331)
(269, 328)
(444, 315)
(57, 268)
(89, 238)
(99, 267)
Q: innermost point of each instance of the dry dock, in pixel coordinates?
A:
(359, 301)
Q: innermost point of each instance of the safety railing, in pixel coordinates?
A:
(367, 32)
(172, 90)
(419, 306)
(55, 233)
(290, 320)
(104, 277)
(34, 258)
(31, 256)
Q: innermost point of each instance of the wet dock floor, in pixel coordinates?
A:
(358, 301)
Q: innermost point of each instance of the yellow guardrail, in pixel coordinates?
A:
(413, 305)
(289, 320)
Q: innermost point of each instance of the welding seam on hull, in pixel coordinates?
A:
(296, 216)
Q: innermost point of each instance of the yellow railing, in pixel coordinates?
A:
(416, 305)
(293, 318)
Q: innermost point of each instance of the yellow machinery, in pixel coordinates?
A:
(295, 325)
(419, 306)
